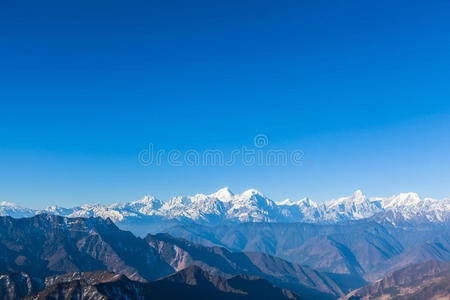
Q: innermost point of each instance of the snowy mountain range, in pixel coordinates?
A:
(252, 206)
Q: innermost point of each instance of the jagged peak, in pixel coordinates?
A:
(224, 194)
(251, 192)
(224, 205)
(52, 207)
(301, 202)
(224, 190)
(357, 197)
(9, 204)
(55, 209)
(286, 201)
(146, 198)
(144, 204)
(408, 195)
(402, 199)
(178, 199)
(358, 194)
(307, 202)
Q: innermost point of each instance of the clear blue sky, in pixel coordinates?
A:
(362, 87)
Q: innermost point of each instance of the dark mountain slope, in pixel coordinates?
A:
(45, 245)
(436, 250)
(363, 248)
(428, 280)
(190, 283)
(180, 253)
(89, 285)
(18, 285)
(352, 248)
(237, 287)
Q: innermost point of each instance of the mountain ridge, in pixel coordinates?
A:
(48, 245)
(189, 283)
(180, 253)
(427, 280)
(252, 206)
(363, 247)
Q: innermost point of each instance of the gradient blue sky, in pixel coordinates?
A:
(362, 87)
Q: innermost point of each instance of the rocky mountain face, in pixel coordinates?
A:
(45, 245)
(49, 245)
(316, 261)
(18, 285)
(205, 286)
(305, 281)
(151, 215)
(89, 285)
(190, 283)
(359, 248)
(428, 280)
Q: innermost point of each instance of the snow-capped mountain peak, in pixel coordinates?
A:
(57, 210)
(286, 201)
(307, 202)
(147, 205)
(353, 207)
(224, 194)
(146, 200)
(304, 202)
(403, 199)
(358, 194)
(357, 198)
(250, 193)
(253, 206)
(14, 210)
